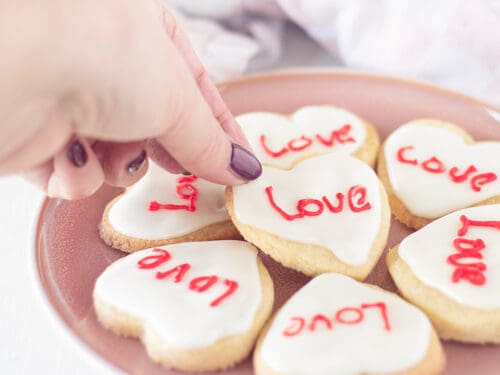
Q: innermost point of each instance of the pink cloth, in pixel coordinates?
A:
(453, 43)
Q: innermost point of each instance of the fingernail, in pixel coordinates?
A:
(186, 173)
(137, 163)
(77, 154)
(244, 163)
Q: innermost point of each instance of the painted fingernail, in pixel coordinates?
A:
(186, 173)
(244, 163)
(137, 163)
(77, 154)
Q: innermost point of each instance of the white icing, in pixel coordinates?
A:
(130, 215)
(181, 317)
(308, 121)
(347, 234)
(426, 252)
(432, 195)
(361, 348)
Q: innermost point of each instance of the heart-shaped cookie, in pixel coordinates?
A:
(282, 141)
(451, 269)
(335, 325)
(196, 306)
(431, 168)
(328, 213)
(163, 208)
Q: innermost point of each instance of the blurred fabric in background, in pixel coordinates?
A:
(452, 43)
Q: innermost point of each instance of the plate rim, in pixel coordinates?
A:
(358, 74)
(67, 333)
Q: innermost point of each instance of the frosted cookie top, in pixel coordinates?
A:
(281, 141)
(332, 200)
(335, 325)
(459, 255)
(189, 294)
(163, 205)
(433, 170)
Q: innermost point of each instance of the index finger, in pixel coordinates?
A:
(208, 89)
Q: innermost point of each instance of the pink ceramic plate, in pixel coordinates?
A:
(70, 254)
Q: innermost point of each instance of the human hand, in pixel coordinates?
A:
(87, 86)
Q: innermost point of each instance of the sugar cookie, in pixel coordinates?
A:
(431, 168)
(196, 306)
(163, 208)
(335, 325)
(451, 270)
(282, 141)
(327, 214)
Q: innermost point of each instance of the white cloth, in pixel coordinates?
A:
(453, 43)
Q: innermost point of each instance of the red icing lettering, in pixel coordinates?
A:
(340, 136)
(202, 283)
(320, 318)
(356, 198)
(471, 271)
(198, 284)
(383, 312)
(231, 288)
(467, 223)
(354, 315)
(436, 166)
(346, 315)
(340, 203)
(270, 197)
(185, 191)
(189, 178)
(302, 207)
(360, 204)
(467, 249)
(153, 261)
(472, 275)
(402, 157)
(180, 271)
(299, 144)
(295, 328)
(482, 179)
(274, 154)
(464, 176)
(433, 165)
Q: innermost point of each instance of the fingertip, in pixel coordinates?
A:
(123, 163)
(244, 163)
(211, 155)
(76, 173)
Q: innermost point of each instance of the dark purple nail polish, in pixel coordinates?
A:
(186, 173)
(137, 163)
(244, 163)
(77, 154)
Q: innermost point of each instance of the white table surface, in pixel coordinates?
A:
(33, 339)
